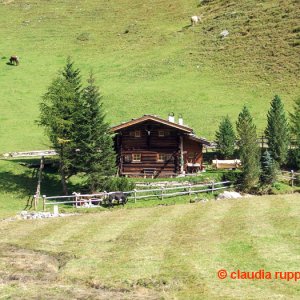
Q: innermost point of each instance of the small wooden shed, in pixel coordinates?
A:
(152, 146)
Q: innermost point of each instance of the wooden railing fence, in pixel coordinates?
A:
(78, 199)
(292, 177)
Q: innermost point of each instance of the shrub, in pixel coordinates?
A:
(112, 184)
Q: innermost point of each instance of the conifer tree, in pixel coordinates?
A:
(225, 138)
(95, 154)
(295, 129)
(72, 75)
(56, 115)
(248, 149)
(277, 131)
(268, 169)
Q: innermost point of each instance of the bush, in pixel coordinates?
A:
(112, 184)
(233, 176)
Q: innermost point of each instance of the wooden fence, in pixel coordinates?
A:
(78, 199)
(293, 178)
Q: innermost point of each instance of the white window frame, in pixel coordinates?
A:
(136, 160)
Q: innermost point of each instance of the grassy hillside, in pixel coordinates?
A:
(147, 59)
(169, 252)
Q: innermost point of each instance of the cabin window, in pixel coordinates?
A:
(164, 157)
(136, 157)
(135, 133)
(127, 158)
(162, 133)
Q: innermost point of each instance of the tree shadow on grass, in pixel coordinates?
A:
(24, 182)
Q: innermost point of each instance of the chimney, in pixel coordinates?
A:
(180, 120)
(171, 117)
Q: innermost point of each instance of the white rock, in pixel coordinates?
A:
(229, 195)
(224, 33)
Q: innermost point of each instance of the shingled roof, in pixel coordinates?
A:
(185, 129)
(151, 118)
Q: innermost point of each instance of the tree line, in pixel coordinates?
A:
(73, 117)
(260, 167)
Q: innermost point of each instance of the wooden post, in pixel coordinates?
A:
(76, 199)
(162, 194)
(44, 202)
(292, 180)
(134, 195)
(181, 156)
(190, 189)
(212, 186)
(35, 202)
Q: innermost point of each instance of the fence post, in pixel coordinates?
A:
(212, 186)
(134, 195)
(35, 202)
(190, 189)
(76, 198)
(162, 193)
(44, 202)
(292, 180)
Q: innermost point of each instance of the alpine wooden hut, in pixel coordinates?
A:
(152, 146)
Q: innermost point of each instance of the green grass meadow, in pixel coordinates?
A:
(171, 252)
(148, 60)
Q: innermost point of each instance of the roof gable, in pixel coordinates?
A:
(144, 118)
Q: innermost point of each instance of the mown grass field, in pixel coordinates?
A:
(148, 60)
(171, 252)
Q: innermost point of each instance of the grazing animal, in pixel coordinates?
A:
(118, 196)
(14, 60)
(195, 20)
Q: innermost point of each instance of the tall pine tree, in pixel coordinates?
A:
(248, 149)
(277, 131)
(57, 116)
(225, 138)
(295, 129)
(94, 154)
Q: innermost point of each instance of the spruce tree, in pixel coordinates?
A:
(268, 169)
(94, 154)
(56, 115)
(295, 129)
(248, 149)
(277, 131)
(72, 75)
(225, 138)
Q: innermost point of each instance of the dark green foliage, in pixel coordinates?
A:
(248, 150)
(295, 130)
(225, 139)
(72, 75)
(94, 153)
(111, 184)
(277, 131)
(268, 169)
(234, 176)
(56, 113)
(74, 121)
